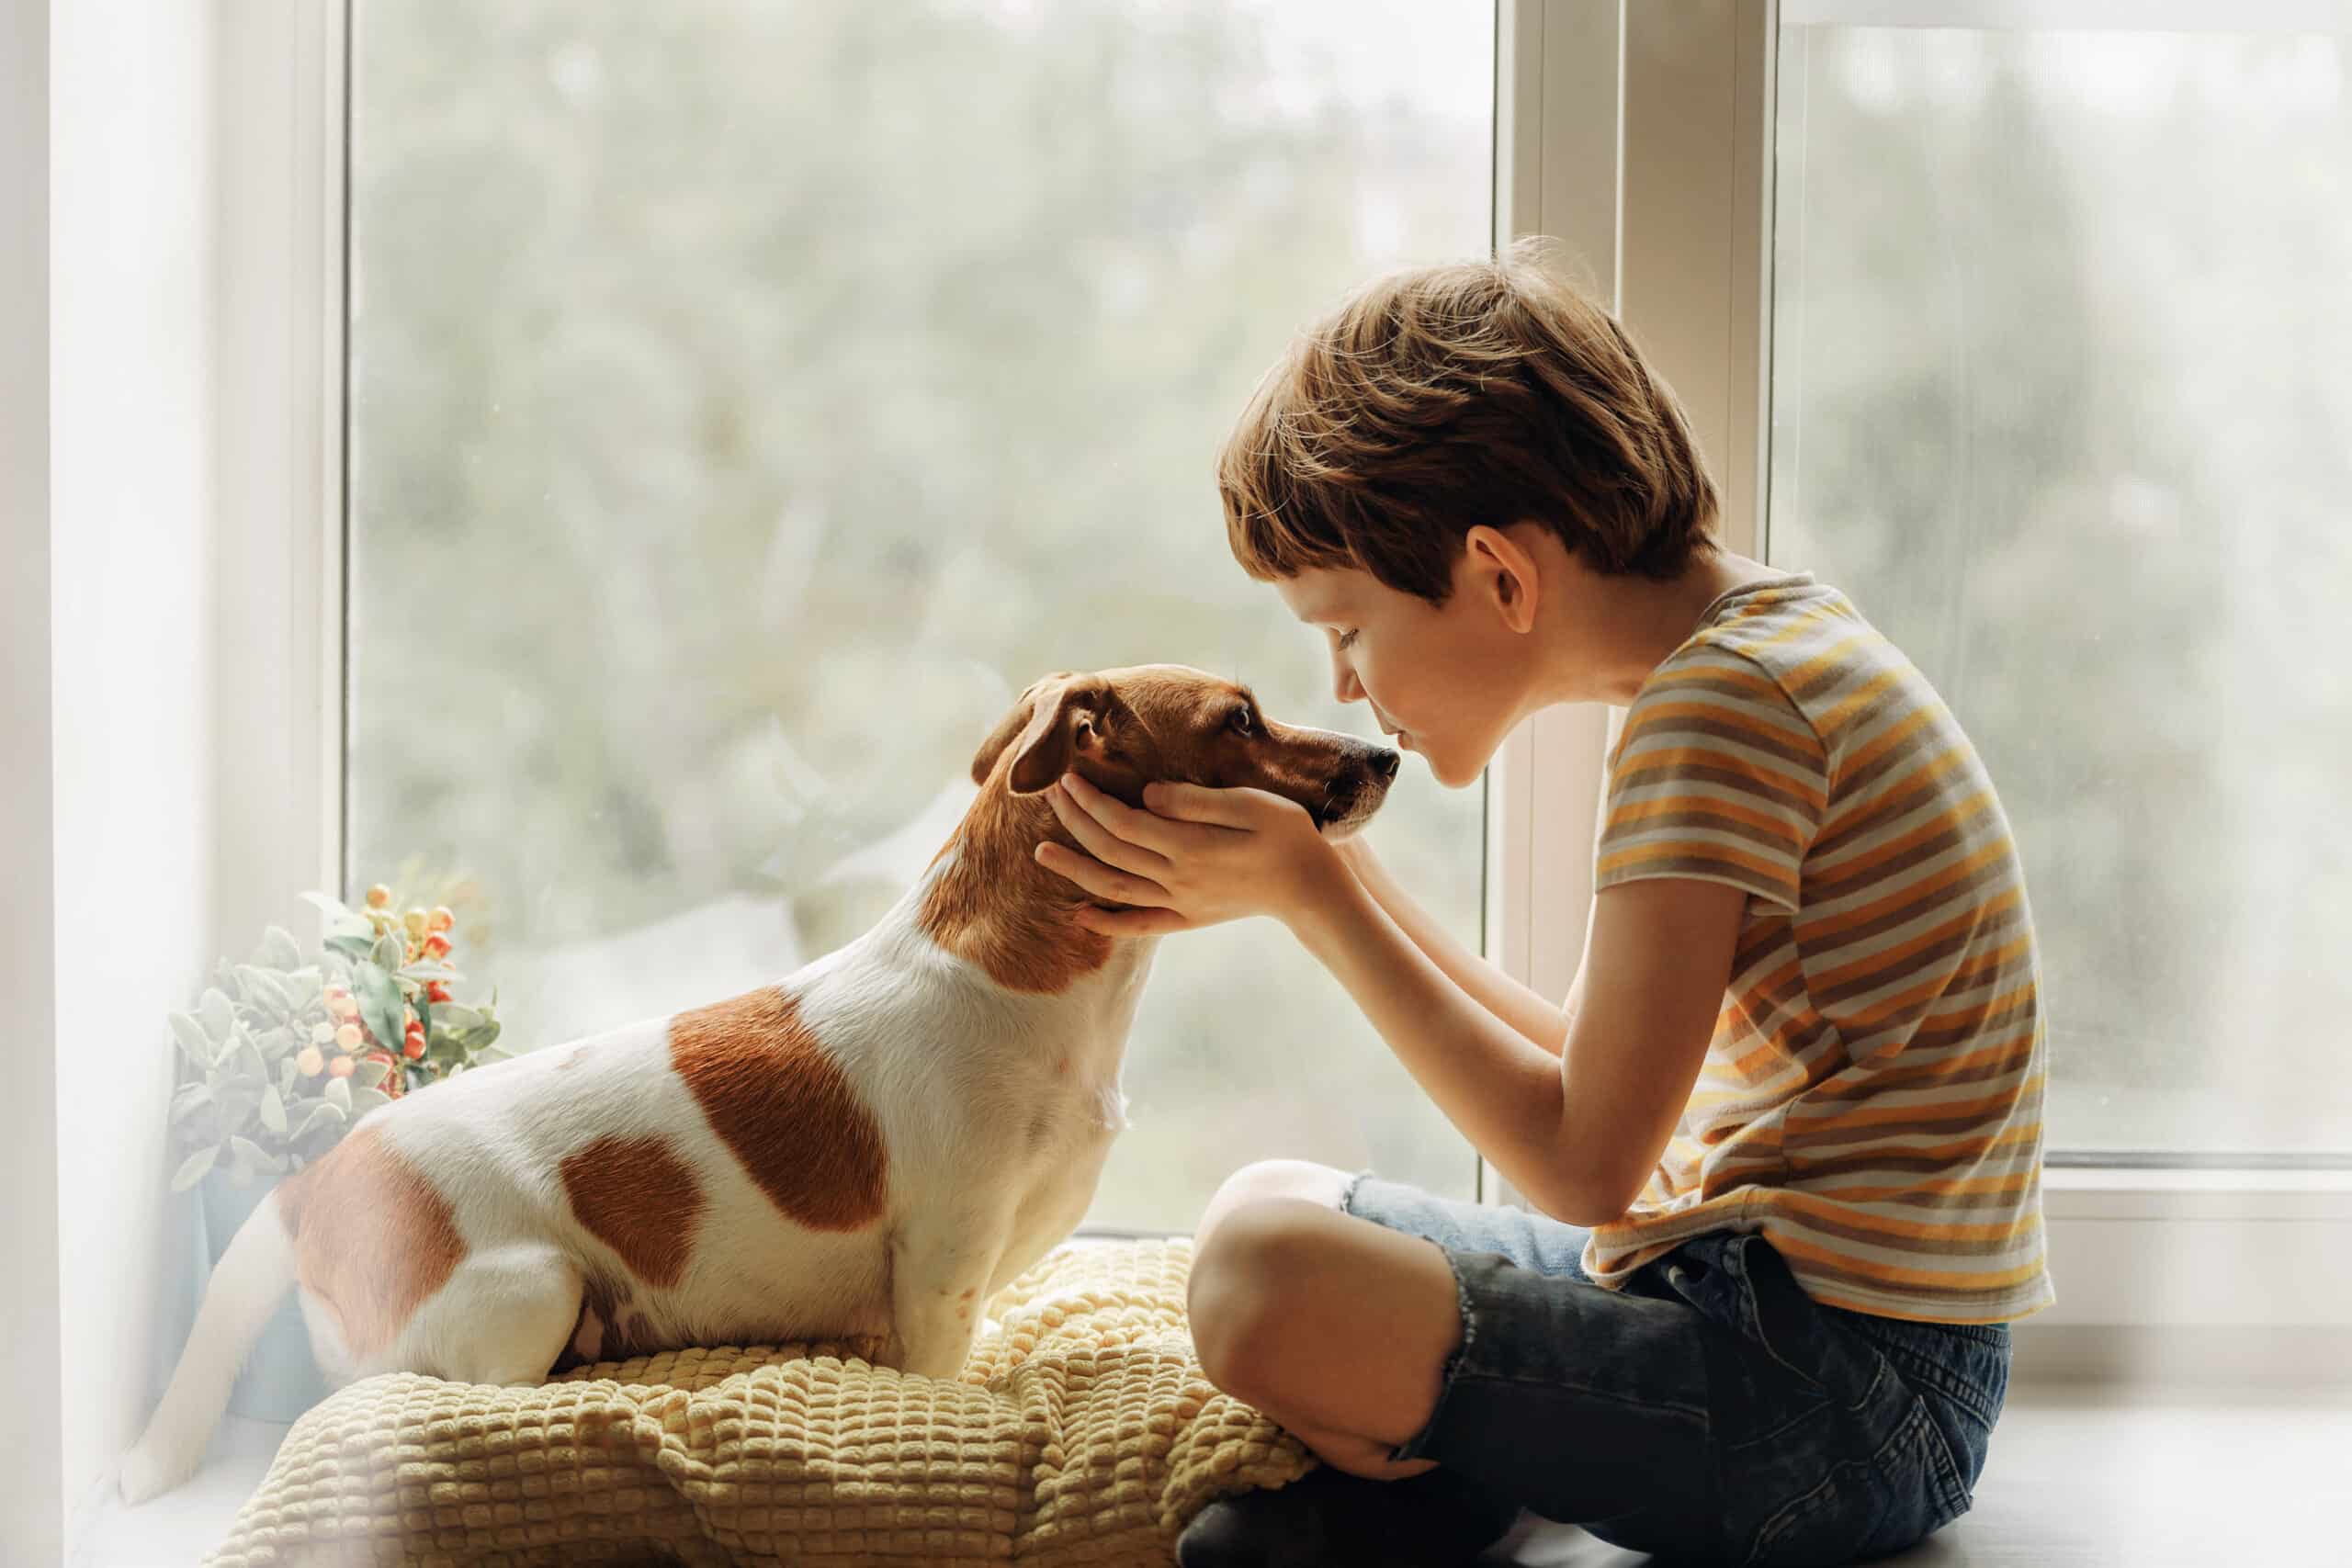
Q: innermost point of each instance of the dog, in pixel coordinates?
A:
(872, 1147)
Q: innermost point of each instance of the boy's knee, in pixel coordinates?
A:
(1266, 1179)
(1233, 1296)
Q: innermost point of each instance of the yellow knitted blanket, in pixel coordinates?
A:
(1085, 1432)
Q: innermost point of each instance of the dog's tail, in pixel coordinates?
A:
(248, 1284)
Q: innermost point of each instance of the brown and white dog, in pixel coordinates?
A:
(873, 1146)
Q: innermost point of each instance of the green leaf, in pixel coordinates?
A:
(264, 990)
(217, 1013)
(338, 1094)
(280, 950)
(192, 1170)
(273, 1110)
(367, 1074)
(428, 969)
(322, 1114)
(192, 1039)
(379, 1003)
(363, 1100)
(249, 1061)
(390, 952)
(287, 1074)
(191, 1098)
(356, 945)
(457, 1017)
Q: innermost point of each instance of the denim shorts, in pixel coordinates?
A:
(1710, 1410)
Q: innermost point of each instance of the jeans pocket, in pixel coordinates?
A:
(1866, 1505)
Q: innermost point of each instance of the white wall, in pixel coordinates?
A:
(131, 231)
(31, 1517)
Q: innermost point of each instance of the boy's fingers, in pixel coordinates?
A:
(1139, 828)
(1198, 802)
(1131, 922)
(1101, 880)
(1104, 843)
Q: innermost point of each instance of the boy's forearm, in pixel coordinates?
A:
(1500, 1089)
(1517, 1005)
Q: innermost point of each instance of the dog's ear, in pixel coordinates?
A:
(1052, 721)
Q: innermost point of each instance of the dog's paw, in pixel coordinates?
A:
(143, 1478)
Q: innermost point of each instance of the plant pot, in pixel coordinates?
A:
(281, 1379)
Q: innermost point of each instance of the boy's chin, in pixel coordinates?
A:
(1448, 770)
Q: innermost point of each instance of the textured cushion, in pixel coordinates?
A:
(1085, 1432)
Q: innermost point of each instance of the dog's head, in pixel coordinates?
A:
(1121, 729)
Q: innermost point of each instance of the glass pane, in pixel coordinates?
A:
(749, 401)
(2061, 377)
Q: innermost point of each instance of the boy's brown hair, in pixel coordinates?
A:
(1443, 397)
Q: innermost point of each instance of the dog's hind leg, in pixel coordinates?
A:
(504, 1316)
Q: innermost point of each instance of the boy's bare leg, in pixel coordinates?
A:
(1336, 1327)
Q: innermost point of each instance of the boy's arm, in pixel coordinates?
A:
(1522, 1008)
(1578, 1135)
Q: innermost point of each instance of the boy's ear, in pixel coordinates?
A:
(1054, 719)
(1507, 571)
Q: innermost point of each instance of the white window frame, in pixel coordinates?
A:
(2243, 1275)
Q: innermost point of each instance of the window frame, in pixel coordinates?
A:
(1594, 144)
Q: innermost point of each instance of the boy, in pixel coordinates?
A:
(1785, 1134)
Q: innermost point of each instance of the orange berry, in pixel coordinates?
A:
(379, 895)
(307, 1061)
(436, 945)
(441, 919)
(344, 1007)
(340, 1067)
(437, 991)
(414, 1048)
(413, 921)
(349, 1036)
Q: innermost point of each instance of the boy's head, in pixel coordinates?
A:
(1424, 460)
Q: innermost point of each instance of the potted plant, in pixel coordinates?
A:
(282, 1055)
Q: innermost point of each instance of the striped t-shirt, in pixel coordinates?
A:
(1872, 1098)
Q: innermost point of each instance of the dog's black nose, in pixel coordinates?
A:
(1384, 762)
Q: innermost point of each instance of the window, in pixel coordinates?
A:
(2062, 361)
(746, 402)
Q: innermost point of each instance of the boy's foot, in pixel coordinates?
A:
(1435, 1519)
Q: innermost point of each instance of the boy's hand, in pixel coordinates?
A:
(1194, 858)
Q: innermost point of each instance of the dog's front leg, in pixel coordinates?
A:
(941, 1260)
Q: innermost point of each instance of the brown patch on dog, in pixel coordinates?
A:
(386, 1240)
(996, 908)
(781, 1103)
(639, 1198)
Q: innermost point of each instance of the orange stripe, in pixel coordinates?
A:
(1889, 959)
(1641, 854)
(1651, 716)
(1888, 1274)
(1635, 811)
(1943, 822)
(1846, 1122)
(1673, 757)
(1822, 928)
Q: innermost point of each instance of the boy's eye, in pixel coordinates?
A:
(1347, 638)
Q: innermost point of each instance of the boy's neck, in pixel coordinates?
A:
(1637, 622)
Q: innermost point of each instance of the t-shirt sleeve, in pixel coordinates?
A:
(1717, 776)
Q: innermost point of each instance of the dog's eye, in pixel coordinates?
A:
(1244, 722)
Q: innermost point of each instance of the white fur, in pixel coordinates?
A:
(994, 1156)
